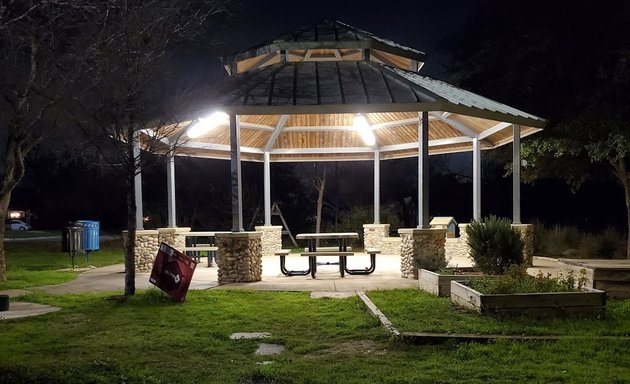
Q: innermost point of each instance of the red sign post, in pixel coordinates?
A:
(172, 272)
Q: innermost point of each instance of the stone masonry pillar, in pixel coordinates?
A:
(419, 243)
(147, 245)
(271, 238)
(174, 236)
(239, 257)
(527, 235)
(373, 235)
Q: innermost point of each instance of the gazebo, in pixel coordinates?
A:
(332, 92)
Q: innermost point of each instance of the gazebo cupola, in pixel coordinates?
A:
(325, 42)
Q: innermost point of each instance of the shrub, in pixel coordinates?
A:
(494, 245)
(430, 261)
(516, 280)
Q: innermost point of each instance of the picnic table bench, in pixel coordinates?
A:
(342, 252)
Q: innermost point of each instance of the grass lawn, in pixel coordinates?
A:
(34, 263)
(148, 339)
(9, 234)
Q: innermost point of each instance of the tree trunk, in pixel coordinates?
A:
(623, 174)
(18, 146)
(4, 206)
(321, 187)
(130, 247)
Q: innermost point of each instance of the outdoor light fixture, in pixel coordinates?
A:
(15, 215)
(205, 124)
(362, 126)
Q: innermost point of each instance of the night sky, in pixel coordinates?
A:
(421, 25)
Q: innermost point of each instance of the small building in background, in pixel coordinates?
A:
(26, 216)
(446, 222)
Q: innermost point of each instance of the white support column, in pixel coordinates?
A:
(237, 186)
(267, 185)
(137, 182)
(476, 180)
(516, 175)
(170, 188)
(423, 171)
(377, 187)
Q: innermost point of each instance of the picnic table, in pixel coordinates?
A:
(198, 245)
(342, 251)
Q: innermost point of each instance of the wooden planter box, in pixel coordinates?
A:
(440, 285)
(591, 303)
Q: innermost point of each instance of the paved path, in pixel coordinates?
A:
(112, 279)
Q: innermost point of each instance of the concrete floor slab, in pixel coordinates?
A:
(15, 292)
(269, 349)
(250, 335)
(18, 309)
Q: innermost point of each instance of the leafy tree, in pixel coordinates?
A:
(570, 65)
(130, 83)
(35, 41)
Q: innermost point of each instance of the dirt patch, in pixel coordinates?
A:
(362, 347)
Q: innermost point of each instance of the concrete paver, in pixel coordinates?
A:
(269, 349)
(18, 309)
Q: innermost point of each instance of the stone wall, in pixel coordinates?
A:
(527, 235)
(373, 235)
(173, 236)
(271, 238)
(418, 244)
(147, 245)
(239, 257)
(391, 246)
(457, 248)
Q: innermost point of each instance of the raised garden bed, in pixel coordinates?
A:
(590, 303)
(612, 276)
(440, 284)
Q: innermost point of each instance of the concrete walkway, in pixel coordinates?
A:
(112, 279)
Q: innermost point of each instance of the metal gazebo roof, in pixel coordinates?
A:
(296, 98)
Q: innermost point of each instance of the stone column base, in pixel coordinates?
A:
(271, 238)
(527, 235)
(173, 236)
(427, 244)
(373, 235)
(239, 257)
(146, 248)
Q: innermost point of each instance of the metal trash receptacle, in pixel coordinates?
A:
(90, 236)
(72, 238)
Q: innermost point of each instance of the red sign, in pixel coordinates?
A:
(172, 272)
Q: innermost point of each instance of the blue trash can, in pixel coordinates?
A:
(90, 236)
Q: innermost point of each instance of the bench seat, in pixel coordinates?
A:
(327, 253)
(329, 249)
(203, 249)
(282, 252)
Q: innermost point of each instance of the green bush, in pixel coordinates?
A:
(494, 245)
(516, 280)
